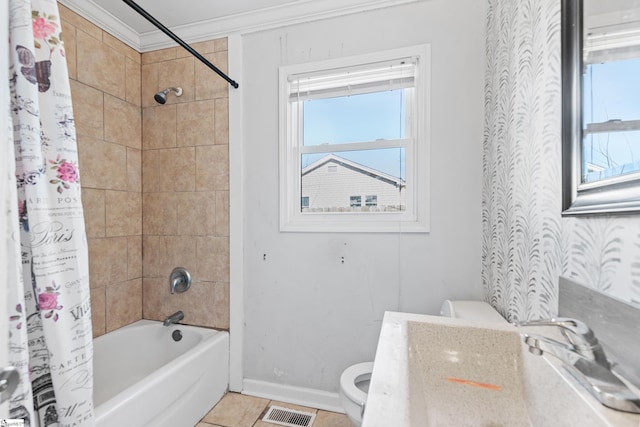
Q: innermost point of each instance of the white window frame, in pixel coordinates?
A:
(415, 219)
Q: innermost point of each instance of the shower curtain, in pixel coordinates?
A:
(50, 337)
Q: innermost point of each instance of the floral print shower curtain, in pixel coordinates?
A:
(50, 337)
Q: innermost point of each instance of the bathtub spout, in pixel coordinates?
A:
(174, 318)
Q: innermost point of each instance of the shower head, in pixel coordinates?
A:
(161, 97)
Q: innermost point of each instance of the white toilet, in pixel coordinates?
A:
(354, 385)
(354, 381)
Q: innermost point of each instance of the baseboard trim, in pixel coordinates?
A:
(309, 397)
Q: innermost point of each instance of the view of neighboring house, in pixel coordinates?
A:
(335, 184)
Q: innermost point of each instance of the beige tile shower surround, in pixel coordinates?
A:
(155, 181)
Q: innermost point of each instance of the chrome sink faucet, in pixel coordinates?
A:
(581, 338)
(585, 359)
(174, 318)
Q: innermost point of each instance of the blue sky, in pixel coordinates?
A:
(616, 90)
(358, 118)
(612, 92)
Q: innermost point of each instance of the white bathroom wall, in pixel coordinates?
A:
(307, 315)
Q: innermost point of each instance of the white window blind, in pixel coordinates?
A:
(390, 75)
(611, 36)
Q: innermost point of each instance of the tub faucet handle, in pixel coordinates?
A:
(179, 280)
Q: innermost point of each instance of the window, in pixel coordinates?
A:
(610, 87)
(355, 125)
(612, 120)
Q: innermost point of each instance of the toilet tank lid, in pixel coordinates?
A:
(472, 310)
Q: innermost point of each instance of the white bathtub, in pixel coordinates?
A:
(142, 377)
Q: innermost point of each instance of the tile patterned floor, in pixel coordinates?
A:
(238, 410)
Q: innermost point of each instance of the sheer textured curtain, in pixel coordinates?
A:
(50, 337)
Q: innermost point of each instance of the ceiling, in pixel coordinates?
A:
(185, 12)
(197, 20)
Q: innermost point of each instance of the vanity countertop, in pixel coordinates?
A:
(435, 371)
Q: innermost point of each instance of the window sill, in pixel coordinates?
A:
(327, 223)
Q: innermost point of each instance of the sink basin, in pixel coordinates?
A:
(435, 371)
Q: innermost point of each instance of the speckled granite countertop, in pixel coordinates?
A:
(435, 371)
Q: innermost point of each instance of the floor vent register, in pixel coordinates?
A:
(288, 417)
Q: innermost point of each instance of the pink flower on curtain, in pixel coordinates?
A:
(66, 173)
(42, 28)
(45, 28)
(48, 300)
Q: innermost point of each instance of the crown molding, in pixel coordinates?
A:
(105, 20)
(242, 23)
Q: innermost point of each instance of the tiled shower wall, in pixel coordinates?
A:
(105, 87)
(185, 159)
(183, 191)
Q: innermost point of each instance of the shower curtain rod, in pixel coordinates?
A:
(178, 40)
